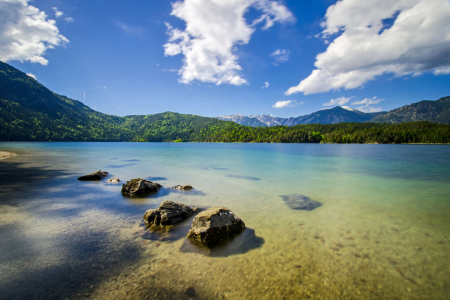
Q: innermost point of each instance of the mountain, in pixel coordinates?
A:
(31, 112)
(437, 111)
(325, 116)
(243, 120)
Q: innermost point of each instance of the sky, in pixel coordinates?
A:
(221, 57)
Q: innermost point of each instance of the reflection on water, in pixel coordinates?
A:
(382, 231)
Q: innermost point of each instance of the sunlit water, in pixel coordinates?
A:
(381, 233)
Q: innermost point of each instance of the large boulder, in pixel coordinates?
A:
(302, 202)
(215, 226)
(140, 187)
(97, 175)
(168, 213)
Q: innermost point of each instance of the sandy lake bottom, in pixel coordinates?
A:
(381, 233)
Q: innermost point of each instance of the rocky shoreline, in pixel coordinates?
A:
(5, 154)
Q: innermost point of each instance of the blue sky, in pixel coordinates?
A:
(118, 57)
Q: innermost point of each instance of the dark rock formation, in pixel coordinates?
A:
(97, 175)
(168, 213)
(214, 226)
(113, 180)
(295, 201)
(140, 187)
(186, 187)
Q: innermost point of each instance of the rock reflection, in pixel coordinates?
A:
(241, 244)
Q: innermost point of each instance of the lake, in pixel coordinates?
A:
(382, 232)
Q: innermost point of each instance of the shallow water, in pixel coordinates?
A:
(382, 231)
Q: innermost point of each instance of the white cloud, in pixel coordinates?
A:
(132, 30)
(368, 101)
(337, 101)
(32, 75)
(286, 103)
(280, 56)
(367, 45)
(69, 19)
(25, 32)
(213, 30)
(369, 109)
(366, 104)
(57, 12)
(266, 85)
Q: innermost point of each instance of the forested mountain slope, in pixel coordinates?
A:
(433, 111)
(31, 112)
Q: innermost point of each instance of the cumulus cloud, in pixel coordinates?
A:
(57, 12)
(266, 85)
(25, 32)
(32, 75)
(337, 101)
(213, 30)
(280, 56)
(366, 104)
(286, 103)
(68, 19)
(376, 37)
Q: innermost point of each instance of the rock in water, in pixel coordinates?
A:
(186, 187)
(113, 180)
(214, 226)
(295, 201)
(140, 187)
(168, 213)
(97, 175)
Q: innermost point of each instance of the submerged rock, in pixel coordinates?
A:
(296, 201)
(168, 213)
(140, 187)
(186, 187)
(113, 180)
(214, 226)
(97, 175)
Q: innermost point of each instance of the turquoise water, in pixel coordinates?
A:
(382, 231)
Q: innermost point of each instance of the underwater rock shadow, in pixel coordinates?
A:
(119, 166)
(240, 244)
(156, 178)
(192, 192)
(244, 177)
(300, 202)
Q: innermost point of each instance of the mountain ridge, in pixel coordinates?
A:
(333, 115)
(30, 111)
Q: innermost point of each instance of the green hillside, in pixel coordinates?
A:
(31, 112)
(433, 111)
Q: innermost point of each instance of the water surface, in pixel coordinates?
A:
(382, 231)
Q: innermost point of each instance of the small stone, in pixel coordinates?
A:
(97, 175)
(190, 291)
(113, 180)
(186, 187)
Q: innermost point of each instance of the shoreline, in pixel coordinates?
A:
(5, 154)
